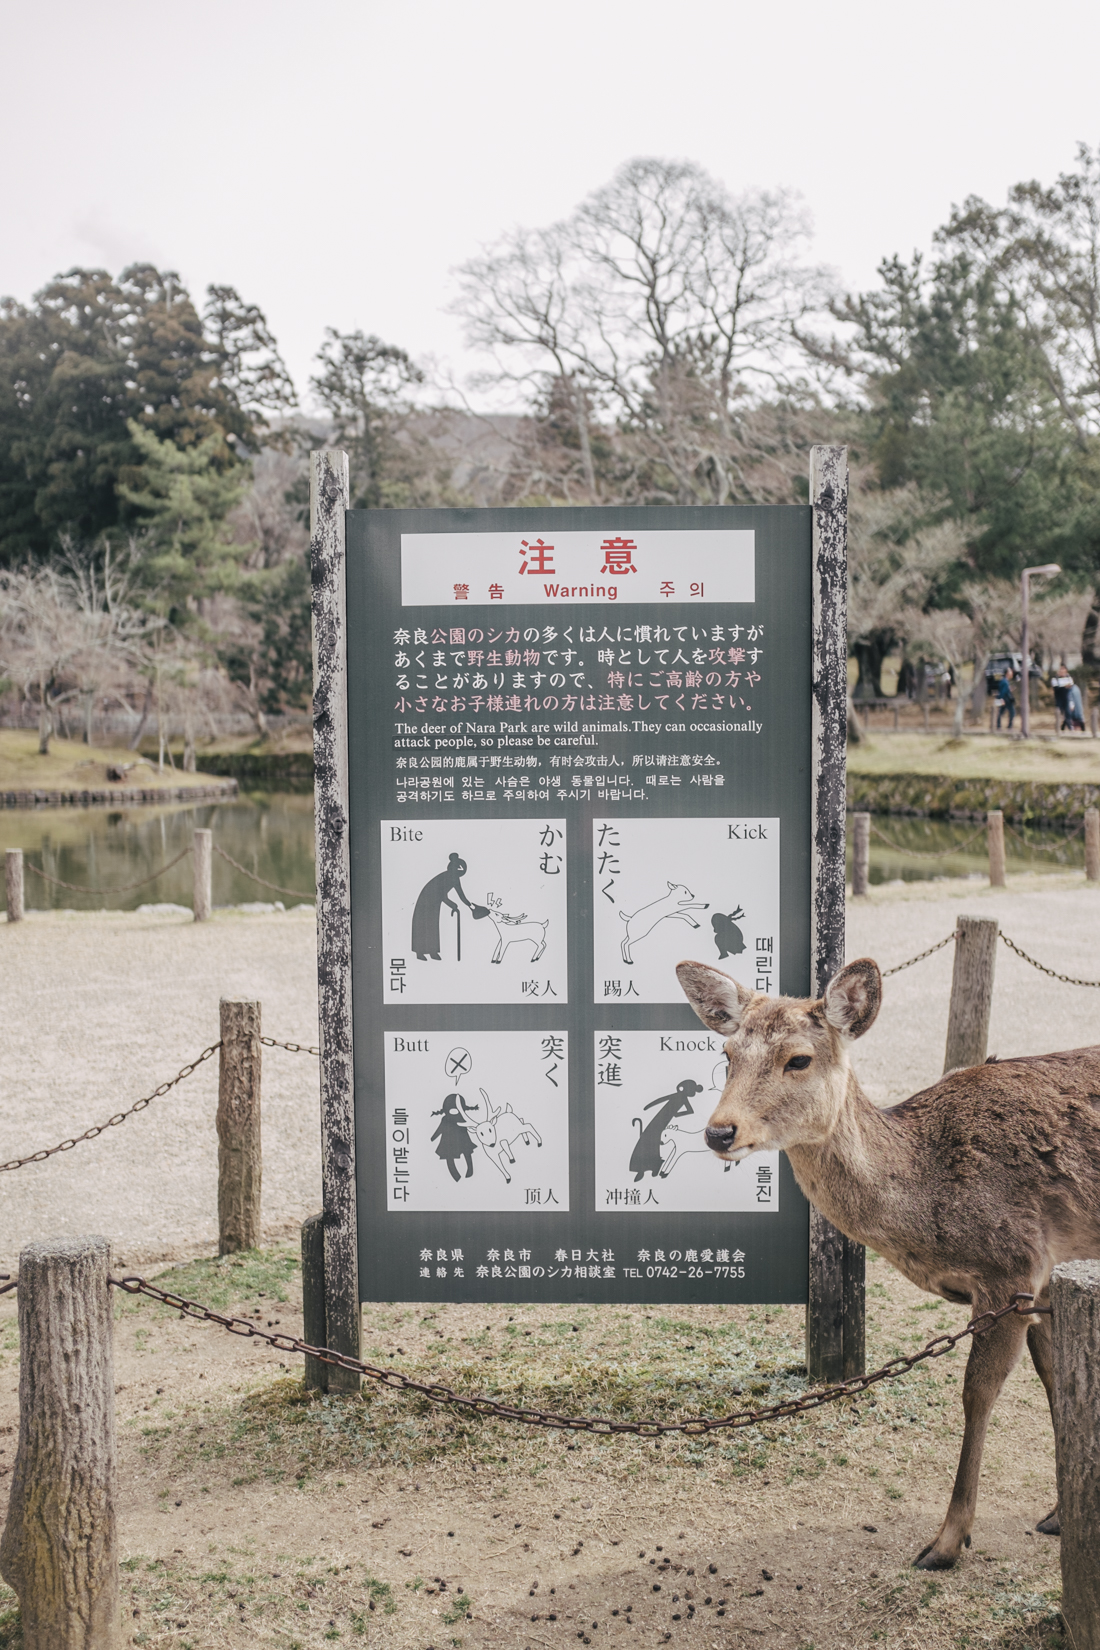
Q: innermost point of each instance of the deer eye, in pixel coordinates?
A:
(798, 1062)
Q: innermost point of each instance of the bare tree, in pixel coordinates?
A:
(655, 326)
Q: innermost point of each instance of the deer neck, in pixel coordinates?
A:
(859, 1175)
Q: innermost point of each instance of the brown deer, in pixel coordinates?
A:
(974, 1188)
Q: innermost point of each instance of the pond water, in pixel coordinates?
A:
(98, 848)
(961, 853)
(272, 835)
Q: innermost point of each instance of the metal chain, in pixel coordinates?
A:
(1066, 979)
(294, 893)
(119, 1117)
(120, 888)
(912, 853)
(5, 1286)
(1045, 847)
(932, 949)
(439, 1394)
(293, 1048)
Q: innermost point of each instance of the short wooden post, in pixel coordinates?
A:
(1075, 1303)
(240, 1163)
(861, 852)
(202, 861)
(59, 1550)
(995, 836)
(1092, 847)
(315, 1375)
(13, 883)
(971, 992)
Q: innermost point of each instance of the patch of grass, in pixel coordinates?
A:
(230, 1280)
(11, 1631)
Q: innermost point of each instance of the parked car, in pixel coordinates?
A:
(998, 663)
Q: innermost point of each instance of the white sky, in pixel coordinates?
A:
(334, 163)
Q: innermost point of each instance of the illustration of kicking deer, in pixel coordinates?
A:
(679, 902)
(975, 1188)
(499, 1133)
(513, 930)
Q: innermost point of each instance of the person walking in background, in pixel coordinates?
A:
(1006, 700)
(1062, 683)
(1076, 714)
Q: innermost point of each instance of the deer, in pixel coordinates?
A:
(974, 1188)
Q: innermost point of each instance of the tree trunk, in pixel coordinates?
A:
(140, 729)
(60, 1545)
(45, 726)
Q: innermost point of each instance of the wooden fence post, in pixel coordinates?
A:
(240, 1162)
(59, 1549)
(1092, 847)
(13, 883)
(861, 852)
(971, 992)
(995, 836)
(1075, 1302)
(315, 1375)
(835, 1304)
(202, 860)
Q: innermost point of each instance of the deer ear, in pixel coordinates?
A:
(853, 998)
(716, 998)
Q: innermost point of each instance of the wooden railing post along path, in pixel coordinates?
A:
(861, 853)
(13, 883)
(995, 837)
(59, 1550)
(202, 860)
(240, 1160)
(1075, 1304)
(314, 1326)
(1092, 844)
(835, 1305)
(971, 992)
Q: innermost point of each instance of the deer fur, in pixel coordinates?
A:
(975, 1188)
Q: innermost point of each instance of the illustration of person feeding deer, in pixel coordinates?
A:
(478, 1125)
(474, 911)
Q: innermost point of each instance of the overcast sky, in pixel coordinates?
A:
(335, 162)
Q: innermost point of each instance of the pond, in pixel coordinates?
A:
(960, 849)
(269, 833)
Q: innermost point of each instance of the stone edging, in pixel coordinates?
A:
(119, 796)
(930, 796)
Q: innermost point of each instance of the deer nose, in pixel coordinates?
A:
(720, 1139)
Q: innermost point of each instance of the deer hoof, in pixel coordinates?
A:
(1051, 1524)
(930, 1559)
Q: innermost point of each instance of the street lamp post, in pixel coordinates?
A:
(1025, 591)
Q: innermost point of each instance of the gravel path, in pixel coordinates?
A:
(101, 1007)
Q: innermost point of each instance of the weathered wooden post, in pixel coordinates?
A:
(861, 852)
(971, 992)
(330, 498)
(835, 1304)
(995, 836)
(1075, 1302)
(315, 1376)
(240, 1162)
(59, 1549)
(202, 860)
(1092, 847)
(13, 883)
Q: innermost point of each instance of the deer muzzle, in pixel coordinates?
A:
(720, 1138)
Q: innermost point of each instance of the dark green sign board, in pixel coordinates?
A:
(579, 750)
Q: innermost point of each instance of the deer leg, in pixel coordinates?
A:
(1038, 1344)
(992, 1356)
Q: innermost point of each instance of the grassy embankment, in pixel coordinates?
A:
(71, 765)
(1051, 761)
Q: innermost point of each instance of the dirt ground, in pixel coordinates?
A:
(253, 1514)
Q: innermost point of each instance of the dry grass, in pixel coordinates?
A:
(979, 756)
(71, 765)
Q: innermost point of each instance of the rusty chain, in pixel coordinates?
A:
(436, 1393)
(932, 949)
(1045, 847)
(119, 1117)
(120, 888)
(293, 893)
(140, 1105)
(913, 853)
(1065, 979)
(7, 1283)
